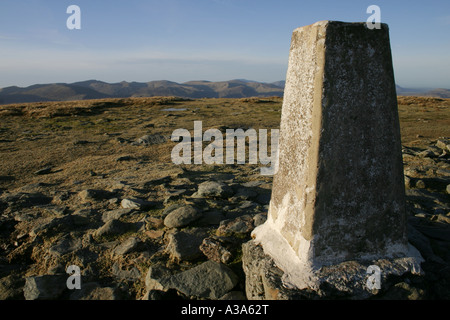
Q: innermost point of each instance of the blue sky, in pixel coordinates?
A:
(182, 40)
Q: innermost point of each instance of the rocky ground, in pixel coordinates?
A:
(92, 185)
(134, 238)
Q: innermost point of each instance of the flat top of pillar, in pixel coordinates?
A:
(334, 23)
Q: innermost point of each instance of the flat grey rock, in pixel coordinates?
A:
(150, 139)
(185, 244)
(132, 274)
(137, 204)
(65, 245)
(45, 287)
(213, 189)
(210, 280)
(182, 216)
(94, 291)
(94, 195)
(115, 214)
(113, 227)
(127, 246)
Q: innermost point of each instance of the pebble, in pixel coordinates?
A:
(259, 219)
(408, 182)
(420, 184)
(216, 250)
(154, 222)
(170, 208)
(239, 225)
(43, 171)
(213, 189)
(253, 183)
(150, 140)
(137, 204)
(443, 144)
(94, 195)
(154, 234)
(127, 246)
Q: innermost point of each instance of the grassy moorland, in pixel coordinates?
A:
(66, 167)
(87, 135)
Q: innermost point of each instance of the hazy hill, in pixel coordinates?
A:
(441, 93)
(94, 89)
(438, 93)
(47, 92)
(408, 91)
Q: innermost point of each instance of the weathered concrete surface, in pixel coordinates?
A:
(339, 193)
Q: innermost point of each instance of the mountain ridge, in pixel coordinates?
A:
(96, 89)
(194, 89)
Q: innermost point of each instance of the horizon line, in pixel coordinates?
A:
(196, 80)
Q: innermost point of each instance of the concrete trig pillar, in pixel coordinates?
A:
(339, 192)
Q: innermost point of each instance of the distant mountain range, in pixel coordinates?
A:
(437, 93)
(94, 89)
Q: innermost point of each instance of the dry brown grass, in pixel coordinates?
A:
(78, 137)
(423, 120)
